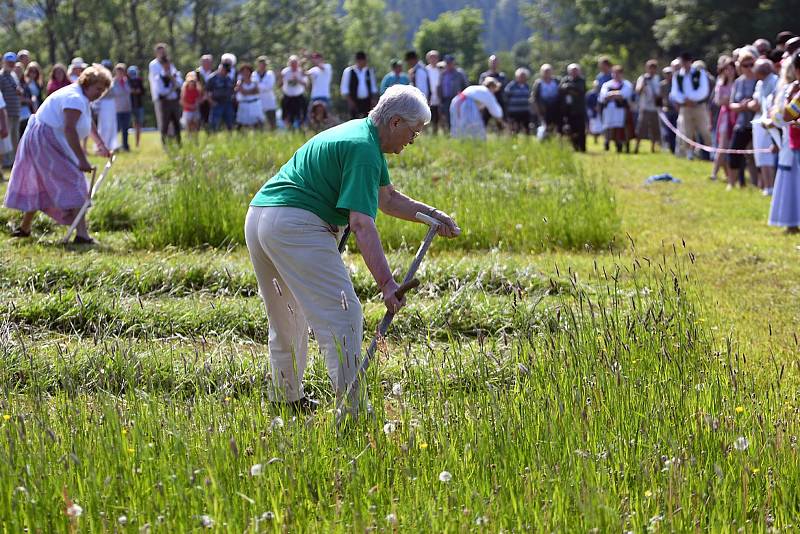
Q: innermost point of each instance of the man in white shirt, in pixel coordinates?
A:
(690, 92)
(320, 74)
(418, 74)
(359, 87)
(154, 70)
(168, 88)
(293, 87)
(432, 58)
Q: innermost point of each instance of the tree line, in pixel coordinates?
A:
(524, 32)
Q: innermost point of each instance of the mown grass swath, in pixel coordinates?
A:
(617, 412)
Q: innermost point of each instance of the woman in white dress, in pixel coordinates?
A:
(106, 110)
(249, 114)
(266, 86)
(465, 109)
(616, 96)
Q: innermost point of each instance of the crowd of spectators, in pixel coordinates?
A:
(682, 108)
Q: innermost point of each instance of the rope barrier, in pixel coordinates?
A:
(695, 144)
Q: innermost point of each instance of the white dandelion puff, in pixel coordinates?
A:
(267, 516)
(277, 287)
(391, 519)
(445, 477)
(481, 520)
(206, 521)
(74, 510)
(741, 443)
(389, 428)
(345, 306)
(518, 227)
(276, 423)
(256, 470)
(122, 520)
(397, 389)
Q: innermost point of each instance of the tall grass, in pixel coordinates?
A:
(526, 197)
(622, 412)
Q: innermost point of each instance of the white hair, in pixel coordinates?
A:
(522, 70)
(546, 66)
(227, 57)
(404, 101)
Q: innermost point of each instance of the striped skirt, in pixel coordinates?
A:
(44, 177)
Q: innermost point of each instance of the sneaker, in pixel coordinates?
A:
(19, 232)
(729, 187)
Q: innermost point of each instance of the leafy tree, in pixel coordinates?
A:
(373, 29)
(454, 32)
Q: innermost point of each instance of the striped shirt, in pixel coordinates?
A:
(8, 87)
(517, 95)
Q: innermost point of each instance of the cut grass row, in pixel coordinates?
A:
(625, 416)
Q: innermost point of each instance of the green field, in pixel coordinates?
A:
(593, 354)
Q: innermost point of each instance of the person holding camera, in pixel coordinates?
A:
(168, 86)
(219, 90)
(293, 85)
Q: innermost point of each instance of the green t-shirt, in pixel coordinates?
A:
(335, 172)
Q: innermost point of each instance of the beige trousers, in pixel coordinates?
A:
(693, 122)
(303, 282)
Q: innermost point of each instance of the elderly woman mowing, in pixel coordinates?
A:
(50, 162)
(465, 109)
(338, 177)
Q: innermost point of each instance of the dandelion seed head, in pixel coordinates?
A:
(518, 227)
(741, 443)
(206, 521)
(445, 477)
(389, 428)
(122, 520)
(391, 519)
(256, 470)
(74, 510)
(481, 520)
(397, 389)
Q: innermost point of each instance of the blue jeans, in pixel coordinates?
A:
(123, 124)
(222, 112)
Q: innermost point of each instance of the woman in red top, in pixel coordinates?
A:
(58, 79)
(191, 95)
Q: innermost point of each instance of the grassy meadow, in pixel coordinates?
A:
(592, 355)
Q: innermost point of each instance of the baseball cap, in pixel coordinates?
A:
(9, 56)
(449, 58)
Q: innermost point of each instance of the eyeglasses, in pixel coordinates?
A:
(414, 134)
(747, 65)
